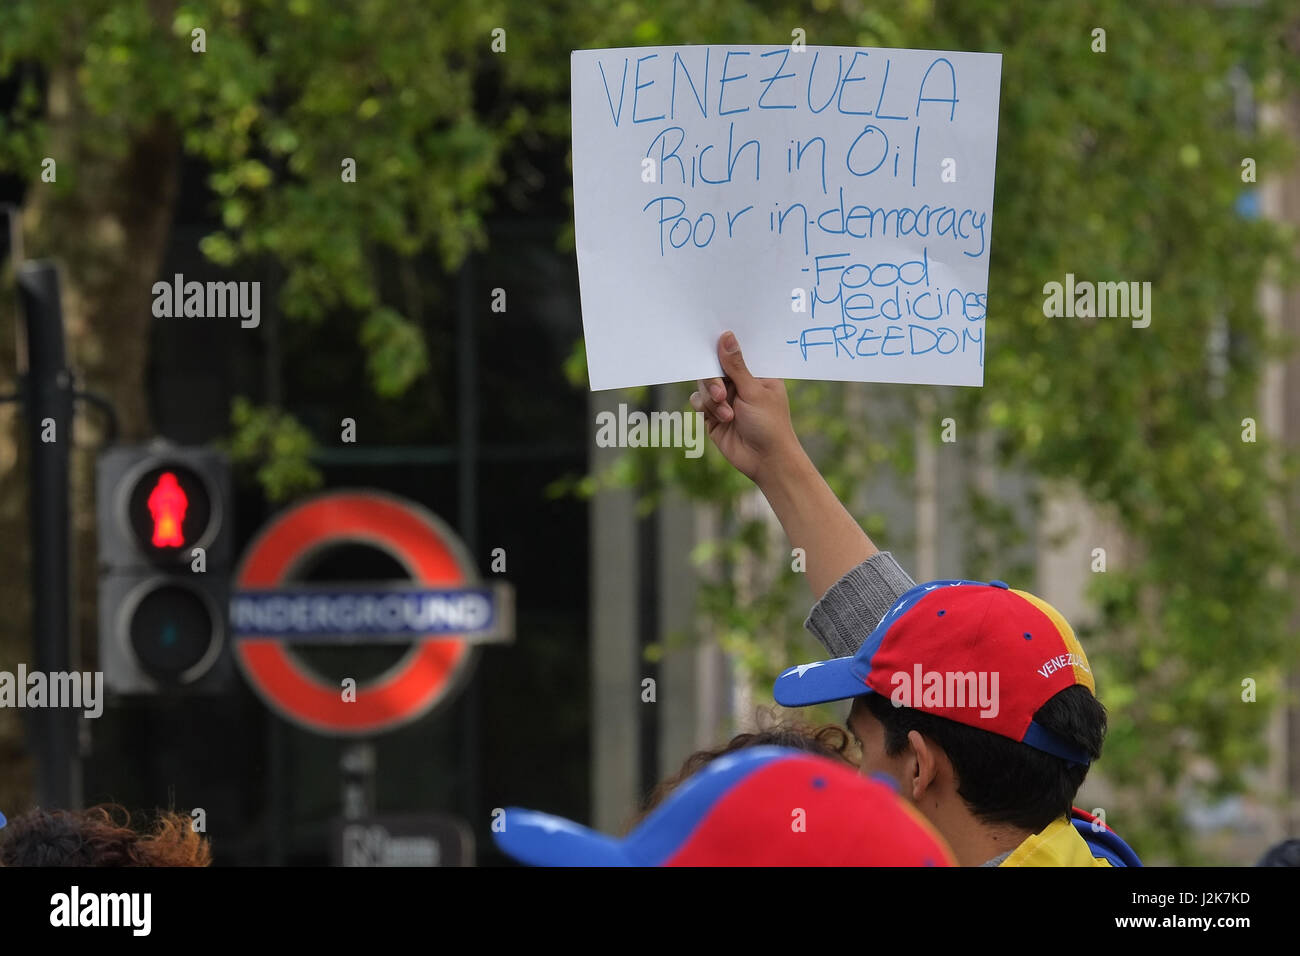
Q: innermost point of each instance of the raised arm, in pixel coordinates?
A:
(748, 419)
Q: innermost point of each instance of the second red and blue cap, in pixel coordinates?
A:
(762, 806)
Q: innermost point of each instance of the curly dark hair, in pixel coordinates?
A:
(96, 837)
(829, 740)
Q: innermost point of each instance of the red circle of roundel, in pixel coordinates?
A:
(428, 671)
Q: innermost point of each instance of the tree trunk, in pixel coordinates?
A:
(112, 216)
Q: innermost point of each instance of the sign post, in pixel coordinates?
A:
(441, 611)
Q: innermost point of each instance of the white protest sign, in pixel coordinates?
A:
(831, 205)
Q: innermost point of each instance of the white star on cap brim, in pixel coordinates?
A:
(803, 668)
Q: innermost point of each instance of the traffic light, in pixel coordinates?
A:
(164, 569)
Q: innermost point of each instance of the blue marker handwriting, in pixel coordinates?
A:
(966, 228)
(834, 187)
(863, 340)
(721, 82)
(865, 310)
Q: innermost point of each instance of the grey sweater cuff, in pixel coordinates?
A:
(856, 603)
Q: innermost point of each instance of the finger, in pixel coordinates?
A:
(733, 363)
(711, 392)
(700, 401)
(728, 401)
(711, 411)
(714, 388)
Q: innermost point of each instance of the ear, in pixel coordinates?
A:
(927, 764)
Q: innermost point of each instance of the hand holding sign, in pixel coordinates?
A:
(832, 205)
(748, 418)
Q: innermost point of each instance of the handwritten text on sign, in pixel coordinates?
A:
(832, 205)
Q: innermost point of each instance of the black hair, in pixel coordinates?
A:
(1000, 779)
(1286, 853)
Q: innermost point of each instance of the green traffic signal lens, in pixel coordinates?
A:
(171, 632)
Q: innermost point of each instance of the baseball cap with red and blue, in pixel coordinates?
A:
(981, 654)
(761, 806)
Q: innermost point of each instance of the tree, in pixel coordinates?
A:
(274, 99)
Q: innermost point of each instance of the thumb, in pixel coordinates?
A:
(733, 362)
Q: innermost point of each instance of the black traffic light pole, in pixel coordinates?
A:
(48, 397)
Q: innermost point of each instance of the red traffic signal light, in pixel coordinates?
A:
(169, 510)
(165, 542)
(167, 503)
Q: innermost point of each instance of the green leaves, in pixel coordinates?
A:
(396, 353)
(279, 448)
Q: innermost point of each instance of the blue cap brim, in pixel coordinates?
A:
(818, 683)
(541, 839)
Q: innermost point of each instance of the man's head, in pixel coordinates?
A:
(976, 700)
(1001, 781)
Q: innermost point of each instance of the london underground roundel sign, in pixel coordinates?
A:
(440, 611)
